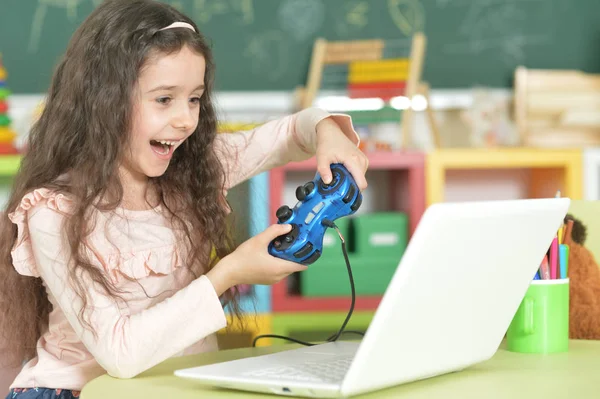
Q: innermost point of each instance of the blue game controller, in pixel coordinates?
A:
(317, 201)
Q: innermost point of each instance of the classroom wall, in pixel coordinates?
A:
(450, 58)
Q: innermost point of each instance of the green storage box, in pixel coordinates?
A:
(327, 278)
(381, 235)
(375, 244)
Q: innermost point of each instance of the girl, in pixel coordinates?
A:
(115, 249)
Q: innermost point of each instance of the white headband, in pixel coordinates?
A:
(179, 25)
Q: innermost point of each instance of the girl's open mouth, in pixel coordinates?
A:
(163, 149)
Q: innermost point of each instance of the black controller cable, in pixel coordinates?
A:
(342, 329)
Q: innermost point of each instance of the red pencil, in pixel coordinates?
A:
(544, 269)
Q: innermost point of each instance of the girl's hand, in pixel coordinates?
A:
(251, 263)
(334, 147)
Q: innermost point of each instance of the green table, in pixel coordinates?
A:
(506, 375)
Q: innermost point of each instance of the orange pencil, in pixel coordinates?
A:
(568, 231)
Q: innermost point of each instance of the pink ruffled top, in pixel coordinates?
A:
(166, 312)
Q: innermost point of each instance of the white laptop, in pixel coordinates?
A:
(447, 307)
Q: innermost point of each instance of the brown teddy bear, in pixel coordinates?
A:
(584, 280)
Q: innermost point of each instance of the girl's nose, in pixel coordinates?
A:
(184, 118)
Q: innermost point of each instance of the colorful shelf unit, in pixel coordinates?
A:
(551, 169)
(260, 299)
(591, 174)
(256, 305)
(407, 194)
(7, 133)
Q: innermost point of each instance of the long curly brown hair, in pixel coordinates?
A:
(83, 133)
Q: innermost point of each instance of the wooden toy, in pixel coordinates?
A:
(557, 108)
(489, 120)
(380, 69)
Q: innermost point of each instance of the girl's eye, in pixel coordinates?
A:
(163, 100)
(195, 100)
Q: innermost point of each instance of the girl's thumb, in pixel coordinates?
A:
(325, 172)
(275, 230)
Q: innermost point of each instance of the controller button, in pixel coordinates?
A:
(350, 194)
(312, 258)
(357, 203)
(324, 187)
(283, 242)
(305, 250)
(336, 181)
(303, 191)
(309, 218)
(284, 213)
(300, 194)
(318, 207)
(309, 187)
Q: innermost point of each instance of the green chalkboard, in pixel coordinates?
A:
(266, 44)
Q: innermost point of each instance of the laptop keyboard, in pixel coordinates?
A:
(325, 370)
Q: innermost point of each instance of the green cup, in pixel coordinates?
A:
(541, 324)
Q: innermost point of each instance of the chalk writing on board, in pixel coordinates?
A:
(408, 15)
(301, 18)
(510, 49)
(205, 10)
(177, 4)
(246, 8)
(353, 17)
(500, 26)
(268, 52)
(39, 17)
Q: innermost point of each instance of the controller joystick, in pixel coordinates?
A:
(337, 178)
(304, 243)
(284, 213)
(304, 191)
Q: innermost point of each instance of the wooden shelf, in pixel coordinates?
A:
(559, 168)
(407, 194)
(503, 157)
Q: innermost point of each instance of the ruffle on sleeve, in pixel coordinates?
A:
(22, 253)
(128, 258)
